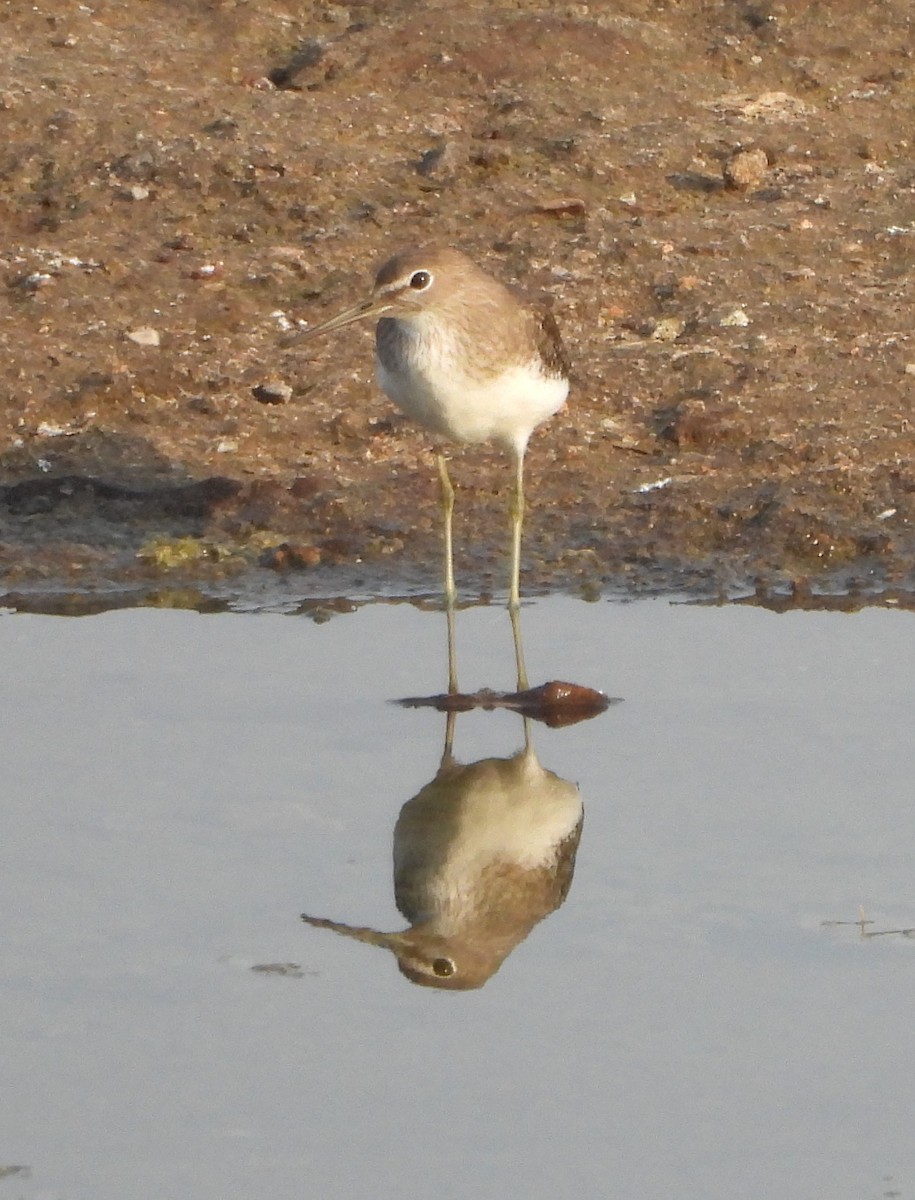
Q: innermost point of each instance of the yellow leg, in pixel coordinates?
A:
(450, 590)
(516, 511)
(514, 590)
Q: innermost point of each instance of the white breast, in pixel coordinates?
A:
(431, 388)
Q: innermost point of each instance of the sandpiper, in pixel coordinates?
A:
(463, 356)
(481, 855)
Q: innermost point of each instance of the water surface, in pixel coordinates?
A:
(178, 788)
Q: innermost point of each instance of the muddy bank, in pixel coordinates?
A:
(719, 198)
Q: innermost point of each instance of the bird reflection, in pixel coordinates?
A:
(481, 854)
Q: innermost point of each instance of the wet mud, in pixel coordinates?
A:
(718, 198)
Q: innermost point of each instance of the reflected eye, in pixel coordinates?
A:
(443, 967)
(420, 280)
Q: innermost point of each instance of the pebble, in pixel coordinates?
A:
(572, 205)
(144, 336)
(656, 485)
(290, 557)
(35, 281)
(746, 170)
(491, 154)
(272, 391)
(442, 163)
(735, 317)
(668, 329)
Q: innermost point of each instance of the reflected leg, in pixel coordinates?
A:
(516, 512)
(515, 615)
(448, 751)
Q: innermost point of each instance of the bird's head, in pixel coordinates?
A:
(415, 281)
(428, 959)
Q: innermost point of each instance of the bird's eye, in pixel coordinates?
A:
(419, 281)
(443, 967)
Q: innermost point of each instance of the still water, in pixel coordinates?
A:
(179, 788)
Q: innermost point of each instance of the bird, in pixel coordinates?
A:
(482, 853)
(463, 356)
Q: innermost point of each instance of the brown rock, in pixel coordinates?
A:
(272, 391)
(746, 170)
(288, 557)
(443, 162)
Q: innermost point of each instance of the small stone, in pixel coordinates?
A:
(305, 56)
(768, 106)
(698, 425)
(562, 206)
(667, 330)
(288, 557)
(272, 391)
(202, 404)
(491, 154)
(746, 170)
(34, 282)
(145, 335)
(909, 368)
(181, 241)
(736, 317)
(348, 425)
(224, 127)
(557, 703)
(655, 486)
(442, 162)
(206, 271)
(290, 258)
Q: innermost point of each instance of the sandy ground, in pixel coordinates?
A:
(718, 197)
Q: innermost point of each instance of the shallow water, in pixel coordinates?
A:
(180, 787)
